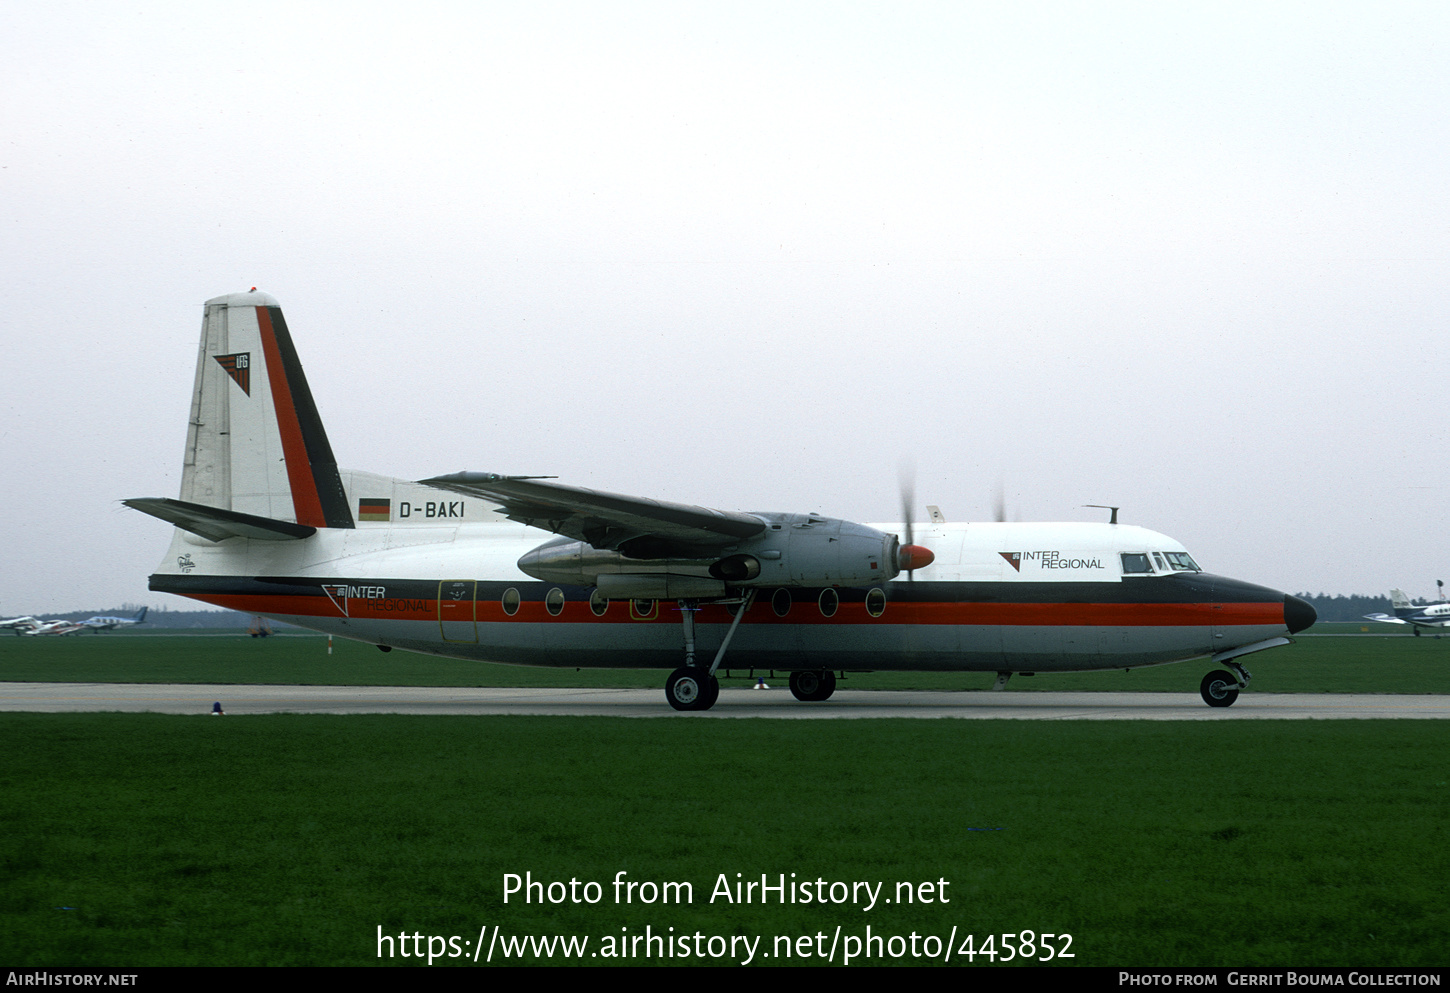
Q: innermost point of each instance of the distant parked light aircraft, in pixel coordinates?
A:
(54, 627)
(111, 623)
(18, 624)
(466, 565)
(1433, 616)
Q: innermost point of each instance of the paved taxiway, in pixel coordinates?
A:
(777, 703)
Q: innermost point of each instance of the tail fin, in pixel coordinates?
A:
(256, 444)
(140, 617)
(1399, 601)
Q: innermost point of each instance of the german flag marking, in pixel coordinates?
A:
(374, 509)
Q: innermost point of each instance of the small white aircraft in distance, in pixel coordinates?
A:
(18, 624)
(517, 569)
(1433, 616)
(53, 627)
(99, 623)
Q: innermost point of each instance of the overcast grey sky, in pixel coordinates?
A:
(1186, 258)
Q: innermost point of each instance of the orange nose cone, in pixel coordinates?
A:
(915, 557)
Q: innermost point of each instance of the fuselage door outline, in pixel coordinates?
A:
(456, 615)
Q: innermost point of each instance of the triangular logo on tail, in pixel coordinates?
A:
(239, 367)
(1014, 559)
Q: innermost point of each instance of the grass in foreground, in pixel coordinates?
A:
(1370, 664)
(146, 839)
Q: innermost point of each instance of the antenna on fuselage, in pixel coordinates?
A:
(1103, 506)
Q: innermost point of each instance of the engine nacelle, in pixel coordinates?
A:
(813, 551)
(795, 550)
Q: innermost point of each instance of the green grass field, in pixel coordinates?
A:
(1395, 663)
(147, 839)
(138, 839)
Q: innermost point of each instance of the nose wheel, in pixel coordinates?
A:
(1219, 688)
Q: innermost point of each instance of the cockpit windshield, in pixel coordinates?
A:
(1147, 563)
(1181, 562)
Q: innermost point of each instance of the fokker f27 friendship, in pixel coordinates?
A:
(522, 570)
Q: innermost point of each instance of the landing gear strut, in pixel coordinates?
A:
(694, 687)
(812, 686)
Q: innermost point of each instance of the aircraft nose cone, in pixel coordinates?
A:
(914, 557)
(1298, 614)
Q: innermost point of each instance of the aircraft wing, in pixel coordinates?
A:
(604, 520)
(1384, 619)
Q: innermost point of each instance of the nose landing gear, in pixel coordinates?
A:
(1221, 689)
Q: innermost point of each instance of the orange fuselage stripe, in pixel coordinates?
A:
(986, 614)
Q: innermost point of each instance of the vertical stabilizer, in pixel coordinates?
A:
(255, 444)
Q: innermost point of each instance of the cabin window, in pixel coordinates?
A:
(876, 602)
(1136, 563)
(598, 603)
(828, 602)
(554, 602)
(780, 602)
(511, 601)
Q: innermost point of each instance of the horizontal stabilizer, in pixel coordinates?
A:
(217, 524)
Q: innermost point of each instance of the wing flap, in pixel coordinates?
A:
(604, 520)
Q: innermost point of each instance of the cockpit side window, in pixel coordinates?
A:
(1136, 563)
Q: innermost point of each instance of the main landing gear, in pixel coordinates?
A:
(691, 686)
(811, 686)
(1220, 688)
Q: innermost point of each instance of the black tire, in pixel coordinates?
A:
(712, 693)
(688, 687)
(1219, 688)
(813, 686)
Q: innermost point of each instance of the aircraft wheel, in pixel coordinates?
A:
(828, 685)
(812, 686)
(712, 693)
(688, 687)
(1219, 688)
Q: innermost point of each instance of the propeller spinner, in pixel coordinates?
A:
(911, 556)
